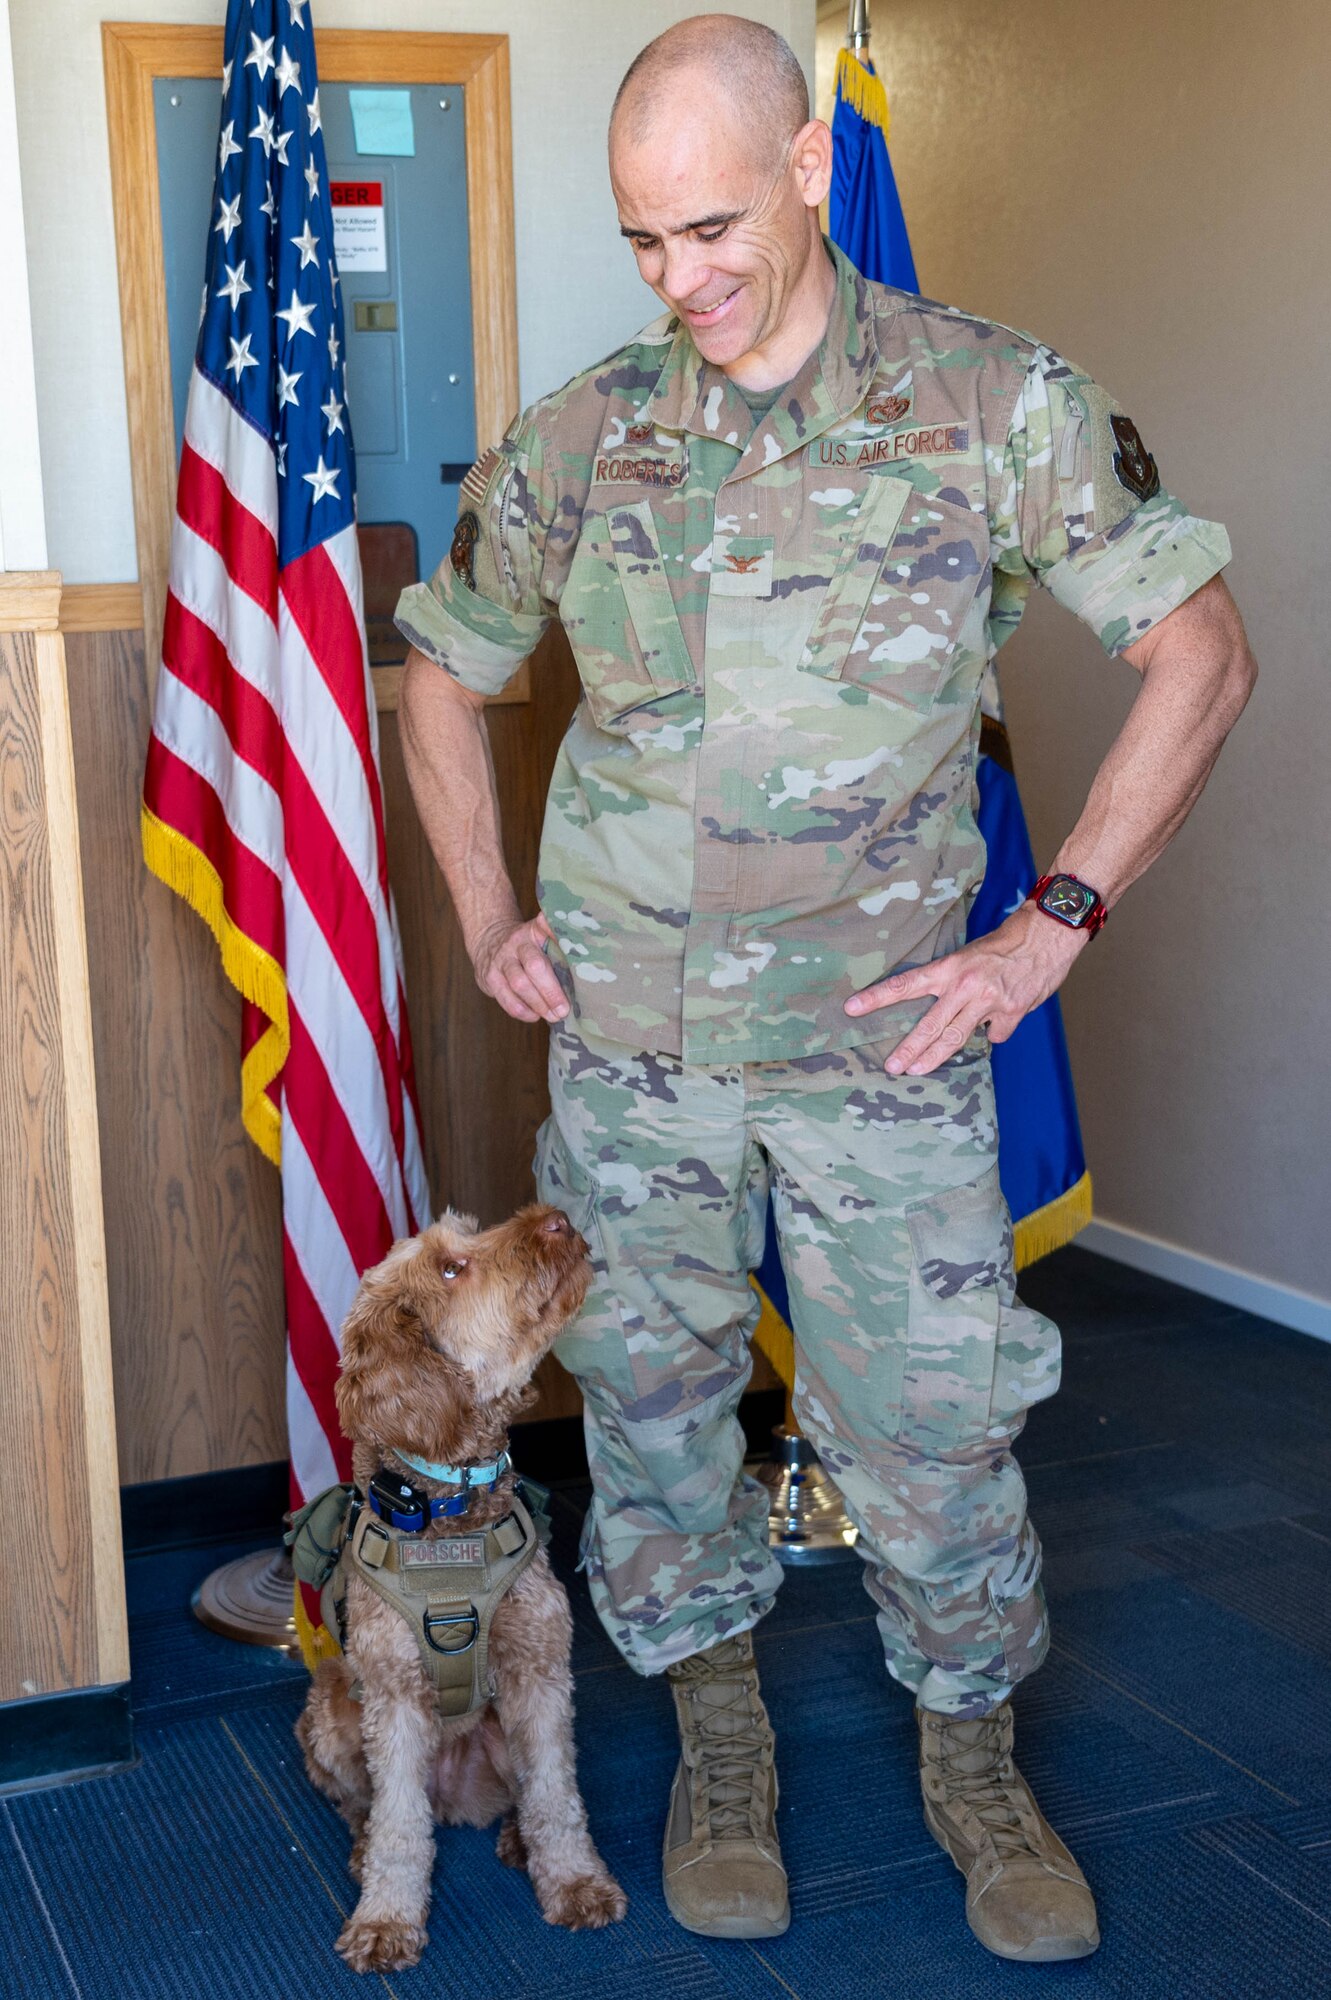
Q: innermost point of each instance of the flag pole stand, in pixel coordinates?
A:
(250, 1599)
(806, 1519)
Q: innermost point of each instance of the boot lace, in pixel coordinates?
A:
(990, 1792)
(734, 1746)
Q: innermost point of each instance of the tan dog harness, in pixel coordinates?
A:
(446, 1587)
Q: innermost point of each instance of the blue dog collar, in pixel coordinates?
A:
(465, 1476)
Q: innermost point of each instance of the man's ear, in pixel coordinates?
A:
(811, 162)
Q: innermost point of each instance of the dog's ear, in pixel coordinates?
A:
(385, 1354)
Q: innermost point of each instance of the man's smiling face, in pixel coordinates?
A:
(719, 227)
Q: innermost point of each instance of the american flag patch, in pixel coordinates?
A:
(476, 485)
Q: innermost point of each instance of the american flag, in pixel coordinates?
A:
(262, 801)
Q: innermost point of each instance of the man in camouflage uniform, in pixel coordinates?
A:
(785, 529)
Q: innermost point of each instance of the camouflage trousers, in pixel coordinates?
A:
(915, 1363)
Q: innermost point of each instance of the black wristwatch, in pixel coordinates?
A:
(1070, 902)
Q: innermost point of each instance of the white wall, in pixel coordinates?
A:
(578, 291)
(22, 523)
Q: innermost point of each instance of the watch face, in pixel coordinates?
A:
(1067, 899)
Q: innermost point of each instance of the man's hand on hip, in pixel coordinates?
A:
(996, 982)
(511, 966)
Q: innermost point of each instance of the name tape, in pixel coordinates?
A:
(930, 441)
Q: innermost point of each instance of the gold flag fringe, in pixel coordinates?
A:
(179, 863)
(1050, 1227)
(316, 1642)
(861, 90)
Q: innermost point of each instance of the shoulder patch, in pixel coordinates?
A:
(1123, 472)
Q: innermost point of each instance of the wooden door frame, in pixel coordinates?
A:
(135, 53)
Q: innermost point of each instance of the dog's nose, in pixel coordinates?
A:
(557, 1224)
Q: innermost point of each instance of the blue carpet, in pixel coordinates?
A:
(1179, 1737)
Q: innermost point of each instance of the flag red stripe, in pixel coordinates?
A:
(197, 657)
(252, 893)
(322, 612)
(351, 1189)
(339, 906)
(206, 504)
(314, 1354)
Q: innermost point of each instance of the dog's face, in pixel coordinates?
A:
(444, 1335)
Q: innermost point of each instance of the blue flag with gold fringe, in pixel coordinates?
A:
(1040, 1160)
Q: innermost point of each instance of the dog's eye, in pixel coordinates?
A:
(455, 1266)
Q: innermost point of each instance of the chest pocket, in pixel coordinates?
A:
(620, 616)
(899, 595)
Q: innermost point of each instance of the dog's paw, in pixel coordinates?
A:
(381, 1944)
(585, 1904)
(510, 1846)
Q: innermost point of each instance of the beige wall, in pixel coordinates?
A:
(579, 294)
(1148, 187)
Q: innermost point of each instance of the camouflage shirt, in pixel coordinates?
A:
(766, 797)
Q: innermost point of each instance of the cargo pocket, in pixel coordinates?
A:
(900, 593)
(958, 1256)
(690, 1459)
(620, 617)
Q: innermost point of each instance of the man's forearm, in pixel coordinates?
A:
(446, 749)
(1197, 673)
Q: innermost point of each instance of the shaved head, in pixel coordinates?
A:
(718, 171)
(745, 62)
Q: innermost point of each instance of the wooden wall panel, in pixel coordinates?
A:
(62, 1610)
(193, 1216)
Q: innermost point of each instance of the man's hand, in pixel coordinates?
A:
(996, 982)
(511, 966)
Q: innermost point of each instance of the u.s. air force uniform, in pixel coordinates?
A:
(765, 801)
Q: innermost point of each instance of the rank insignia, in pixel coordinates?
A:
(888, 409)
(462, 554)
(1133, 465)
(639, 433)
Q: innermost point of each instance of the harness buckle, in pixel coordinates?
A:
(439, 1619)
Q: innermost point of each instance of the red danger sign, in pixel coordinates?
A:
(357, 194)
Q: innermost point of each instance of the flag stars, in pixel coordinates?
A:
(286, 388)
(241, 358)
(263, 131)
(333, 346)
(312, 180)
(228, 216)
(312, 113)
(282, 459)
(235, 286)
(297, 9)
(227, 147)
(305, 243)
(280, 147)
(324, 481)
(268, 206)
(331, 411)
(261, 56)
(298, 316)
(226, 77)
(287, 75)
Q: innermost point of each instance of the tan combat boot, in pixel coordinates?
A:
(722, 1868)
(1025, 1895)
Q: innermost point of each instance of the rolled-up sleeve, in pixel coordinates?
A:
(1082, 511)
(481, 613)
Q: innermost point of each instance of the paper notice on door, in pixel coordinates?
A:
(360, 242)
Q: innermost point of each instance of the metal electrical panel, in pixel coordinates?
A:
(403, 261)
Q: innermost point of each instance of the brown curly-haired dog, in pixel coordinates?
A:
(437, 1357)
